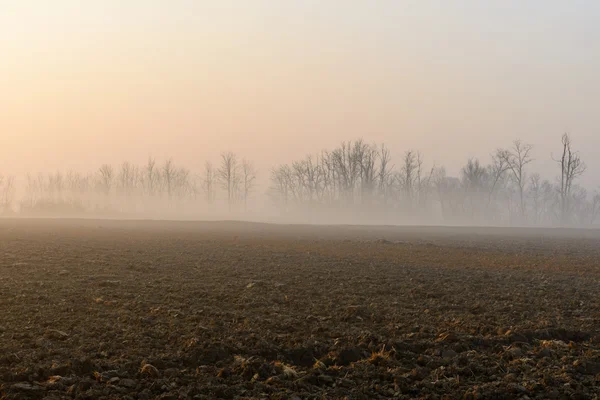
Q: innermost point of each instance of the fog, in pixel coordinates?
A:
(354, 183)
(304, 94)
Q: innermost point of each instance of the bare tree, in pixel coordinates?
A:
(168, 176)
(581, 207)
(7, 193)
(56, 186)
(181, 185)
(106, 178)
(440, 183)
(346, 169)
(280, 190)
(329, 177)
(128, 177)
(384, 172)
(474, 175)
(571, 168)
(595, 208)
(248, 181)
(422, 182)
(77, 187)
(518, 157)
(475, 179)
(228, 174)
(304, 190)
(366, 157)
(408, 175)
(544, 199)
(33, 191)
(535, 193)
(309, 175)
(208, 182)
(498, 167)
(151, 177)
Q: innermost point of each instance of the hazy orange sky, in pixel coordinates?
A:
(87, 82)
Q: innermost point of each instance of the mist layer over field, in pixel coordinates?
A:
(355, 183)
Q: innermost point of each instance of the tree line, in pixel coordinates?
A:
(363, 178)
(131, 188)
(354, 179)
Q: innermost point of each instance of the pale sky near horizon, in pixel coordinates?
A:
(82, 83)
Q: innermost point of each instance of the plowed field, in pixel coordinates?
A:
(174, 310)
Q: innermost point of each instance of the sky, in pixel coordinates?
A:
(86, 83)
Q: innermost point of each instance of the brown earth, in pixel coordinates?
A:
(140, 310)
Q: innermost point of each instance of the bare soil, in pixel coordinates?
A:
(176, 310)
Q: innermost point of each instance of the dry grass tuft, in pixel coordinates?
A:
(380, 357)
(149, 370)
(287, 370)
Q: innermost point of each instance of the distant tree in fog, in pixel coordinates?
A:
(248, 179)
(78, 188)
(7, 193)
(168, 176)
(384, 172)
(346, 169)
(542, 195)
(175, 181)
(209, 179)
(56, 186)
(367, 156)
(474, 176)
(106, 178)
(128, 178)
(151, 177)
(499, 166)
(595, 208)
(475, 180)
(183, 187)
(407, 176)
(581, 208)
(450, 193)
(228, 174)
(307, 176)
(425, 186)
(518, 157)
(280, 190)
(571, 168)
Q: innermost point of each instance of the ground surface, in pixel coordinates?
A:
(142, 310)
